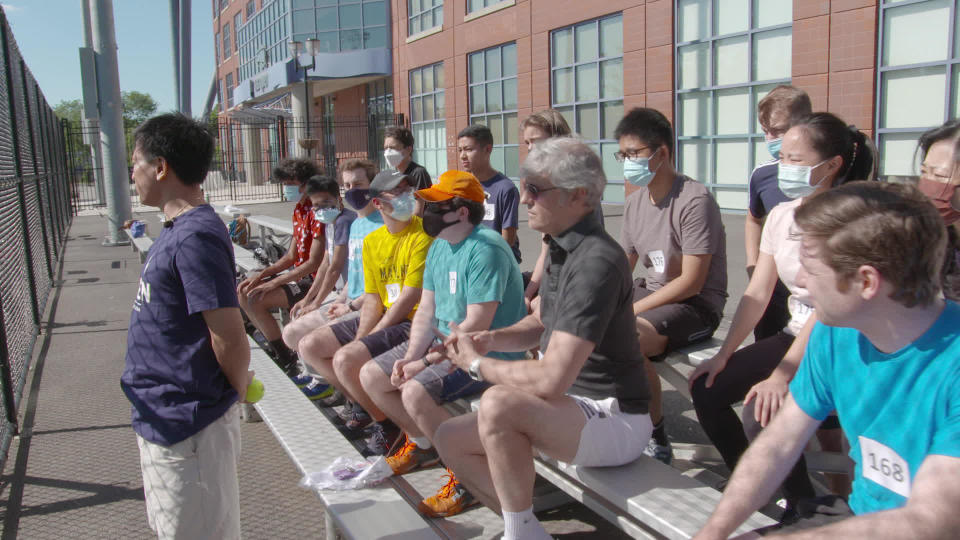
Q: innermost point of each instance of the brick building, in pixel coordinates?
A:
(890, 68)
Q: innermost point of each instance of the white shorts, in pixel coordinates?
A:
(191, 487)
(610, 437)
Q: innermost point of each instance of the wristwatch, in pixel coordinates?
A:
(474, 369)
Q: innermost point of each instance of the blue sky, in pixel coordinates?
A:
(49, 32)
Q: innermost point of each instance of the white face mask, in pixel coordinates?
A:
(794, 180)
(394, 157)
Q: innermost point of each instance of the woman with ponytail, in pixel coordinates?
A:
(818, 152)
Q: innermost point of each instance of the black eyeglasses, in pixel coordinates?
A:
(534, 190)
(632, 154)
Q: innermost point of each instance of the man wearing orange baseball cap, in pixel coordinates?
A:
(471, 279)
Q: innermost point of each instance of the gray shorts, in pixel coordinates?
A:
(440, 382)
(377, 343)
(683, 323)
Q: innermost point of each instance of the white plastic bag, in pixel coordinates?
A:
(348, 473)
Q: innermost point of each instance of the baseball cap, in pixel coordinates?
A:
(454, 184)
(387, 180)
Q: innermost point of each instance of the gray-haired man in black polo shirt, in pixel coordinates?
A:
(586, 400)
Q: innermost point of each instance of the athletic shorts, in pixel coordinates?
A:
(442, 381)
(683, 323)
(610, 437)
(297, 290)
(378, 342)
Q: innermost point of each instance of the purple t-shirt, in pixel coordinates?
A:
(172, 377)
(502, 206)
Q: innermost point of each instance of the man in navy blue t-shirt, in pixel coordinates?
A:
(187, 354)
(474, 145)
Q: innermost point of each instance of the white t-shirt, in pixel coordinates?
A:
(777, 241)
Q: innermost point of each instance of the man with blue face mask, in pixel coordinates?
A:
(394, 257)
(775, 112)
(672, 225)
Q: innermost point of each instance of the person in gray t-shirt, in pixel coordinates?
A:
(672, 226)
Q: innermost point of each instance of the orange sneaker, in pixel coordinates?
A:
(450, 500)
(411, 457)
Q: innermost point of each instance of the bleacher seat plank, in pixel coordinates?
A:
(284, 226)
(313, 443)
(140, 244)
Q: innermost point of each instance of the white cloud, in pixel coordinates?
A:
(10, 8)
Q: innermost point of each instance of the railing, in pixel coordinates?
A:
(246, 151)
(35, 213)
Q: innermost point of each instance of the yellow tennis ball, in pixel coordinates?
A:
(254, 391)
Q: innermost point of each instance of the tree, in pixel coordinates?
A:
(137, 107)
(71, 110)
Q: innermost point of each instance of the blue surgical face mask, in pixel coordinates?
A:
(403, 206)
(326, 215)
(774, 147)
(291, 193)
(794, 180)
(637, 170)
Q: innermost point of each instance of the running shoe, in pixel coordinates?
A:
(450, 500)
(317, 390)
(411, 457)
(302, 378)
(660, 452)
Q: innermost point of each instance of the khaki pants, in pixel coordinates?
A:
(191, 487)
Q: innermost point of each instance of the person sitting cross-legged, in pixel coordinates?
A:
(885, 355)
(586, 400)
(471, 278)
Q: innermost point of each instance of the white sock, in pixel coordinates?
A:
(422, 443)
(523, 526)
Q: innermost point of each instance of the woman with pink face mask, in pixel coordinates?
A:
(939, 179)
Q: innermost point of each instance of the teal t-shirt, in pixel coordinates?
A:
(895, 409)
(479, 269)
(359, 229)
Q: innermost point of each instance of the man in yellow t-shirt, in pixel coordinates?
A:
(393, 262)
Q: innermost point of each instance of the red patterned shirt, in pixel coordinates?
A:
(306, 227)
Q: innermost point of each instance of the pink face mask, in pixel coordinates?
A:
(940, 194)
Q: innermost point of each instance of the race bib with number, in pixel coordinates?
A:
(489, 211)
(453, 283)
(881, 464)
(393, 292)
(658, 261)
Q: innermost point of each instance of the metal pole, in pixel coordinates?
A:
(111, 121)
(47, 175)
(186, 106)
(90, 125)
(9, 403)
(175, 41)
(27, 253)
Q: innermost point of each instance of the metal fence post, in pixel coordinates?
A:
(27, 252)
(46, 176)
(9, 403)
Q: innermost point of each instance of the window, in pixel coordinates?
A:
(380, 111)
(424, 15)
(492, 77)
(237, 21)
(341, 26)
(729, 54)
(251, 8)
(263, 39)
(477, 5)
(918, 78)
(586, 86)
(226, 40)
(427, 118)
(229, 89)
(216, 41)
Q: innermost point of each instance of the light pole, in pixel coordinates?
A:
(296, 49)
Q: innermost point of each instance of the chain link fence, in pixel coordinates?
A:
(35, 212)
(246, 151)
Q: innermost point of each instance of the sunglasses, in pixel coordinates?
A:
(438, 208)
(535, 191)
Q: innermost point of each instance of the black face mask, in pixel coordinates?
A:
(433, 223)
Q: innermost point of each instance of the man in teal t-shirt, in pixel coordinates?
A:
(886, 356)
(471, 279)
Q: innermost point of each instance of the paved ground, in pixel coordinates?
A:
(74, 471)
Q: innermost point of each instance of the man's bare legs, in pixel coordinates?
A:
(347, 363)
(317, 350)
(259, 311)
(377, 386)
(298, 328)
(491, 451)
(652, 344)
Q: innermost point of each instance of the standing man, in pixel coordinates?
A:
(398, 153)
(885, 355)
(776, 112)
(274, 287)
(474, 145)
(585, 401)
(672, 226)
(187, 354)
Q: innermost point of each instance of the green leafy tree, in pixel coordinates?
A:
(71, 110)
(137, 108)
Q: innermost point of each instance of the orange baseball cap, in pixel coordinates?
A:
(454, 184)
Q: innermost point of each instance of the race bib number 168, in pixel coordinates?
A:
(884, 466)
